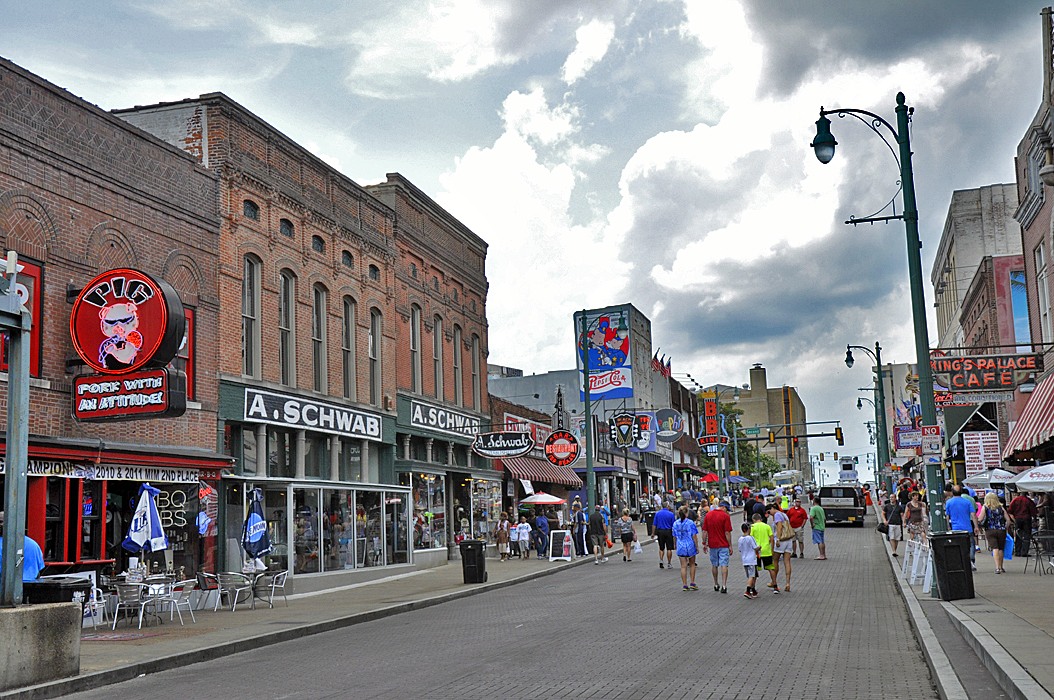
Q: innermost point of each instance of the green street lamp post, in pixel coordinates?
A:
(824, 145)
(880, 404)
(591, 478)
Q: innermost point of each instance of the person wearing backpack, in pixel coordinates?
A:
(893, 516)
(994, 519)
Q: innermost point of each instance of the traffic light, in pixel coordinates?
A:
(838, 436)
(795, 441)
(822, 456)
(772, 438)
(836, 456)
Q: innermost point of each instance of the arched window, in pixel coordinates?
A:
(435, 283)
(477, 398)
(413, 270)
(374, 345)
(375, 272)
(251, 316)
(317, 244)
(437, 356)
(287, 327)
(415, 349)
(251, 210)
(347, 348)
(347, 259)
(285, 227)
(318, 338)
(459, 379)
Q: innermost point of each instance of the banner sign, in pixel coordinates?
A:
(982, 451)
(503, 444)
(152, 393)
(604, 342)
(519, 424)
(66, 469)
(669, 425)
(985, 372)
(971, 398)
(906, 436)
(298, 412)
(645, 442)
(709, 427)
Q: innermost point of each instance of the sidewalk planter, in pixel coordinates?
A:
(951, 564)
(473, 561)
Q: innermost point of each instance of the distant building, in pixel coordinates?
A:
(781, 410)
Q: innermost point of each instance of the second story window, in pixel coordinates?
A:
(437, 356)
(286, 328)
(1043, 293)
(375, 272)
(347, 348)
(318, 339)
(459, 379)
(477, 389)
(285, 227)
(347, 259)
(251, 210)
(317, 244)
(374, 346)
(415, 349)
(251, 317)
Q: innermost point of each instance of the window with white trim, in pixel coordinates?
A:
(287, 327)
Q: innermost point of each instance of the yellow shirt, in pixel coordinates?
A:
(762, 534)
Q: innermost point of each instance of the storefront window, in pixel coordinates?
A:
(281, 452)
(316, 457)
(428, 494)
(340, 547)
(486, 507)
(250, 458)
(91, 508)
(462, 510)
(276, 509)
(369, 533)
(54, 539)
(396, 528)
(307, 527)
(350, 460)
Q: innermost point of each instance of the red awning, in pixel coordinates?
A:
(533, 469)
(1036, 424)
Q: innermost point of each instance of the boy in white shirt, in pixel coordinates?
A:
(514, 541)
(524, 529)
(748, 554)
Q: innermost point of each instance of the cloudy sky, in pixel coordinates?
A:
(646, 151)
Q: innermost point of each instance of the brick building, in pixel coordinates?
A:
(82, 192)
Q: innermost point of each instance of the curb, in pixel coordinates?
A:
(119, 674)
(1010, 675)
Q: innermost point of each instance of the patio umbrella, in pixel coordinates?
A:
(736, 479)
(710, 478)
(146, 532)
(990, 478)
(543, 498)
(1035, 479)
(255, 539)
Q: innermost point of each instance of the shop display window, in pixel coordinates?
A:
(461, 511)
(486, 508)
(316, 456)
(87, 517)
(369, 531)
(396, 527)
(276, 509)
(281, 452)
(350, 460)
(250, 458)
(54, 544)
(340, 546)
(428, 496)
(307, 529)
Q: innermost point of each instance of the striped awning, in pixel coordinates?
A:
(1036, 424)
(534, 469)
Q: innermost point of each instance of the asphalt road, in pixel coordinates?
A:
(618, 630)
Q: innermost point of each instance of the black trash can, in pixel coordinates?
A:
(951, 564)
(57, 589)
(649, 520)
(473, 561)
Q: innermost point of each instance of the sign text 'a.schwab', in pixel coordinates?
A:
(294, 411)
(502, 444)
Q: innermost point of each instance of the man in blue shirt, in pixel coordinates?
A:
(662, 524)
(32, 556)
(541, 534)
(961, 516)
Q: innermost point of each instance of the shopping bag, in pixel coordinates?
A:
(1008, 548)
(636, 547)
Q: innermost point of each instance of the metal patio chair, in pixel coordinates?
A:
(232, 585)
(179, 597)
(271, 583)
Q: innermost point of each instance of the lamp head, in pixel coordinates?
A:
(824, 143)
(859, 405)
(848, 357)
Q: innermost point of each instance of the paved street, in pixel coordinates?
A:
(615, 631)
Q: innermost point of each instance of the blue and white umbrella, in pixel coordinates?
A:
(736, 479)
(146, 531)
(255, 539)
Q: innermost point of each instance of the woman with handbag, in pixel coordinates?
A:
(624, 529)
(994, 519)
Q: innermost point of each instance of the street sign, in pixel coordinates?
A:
(752, 431)
(931, 439)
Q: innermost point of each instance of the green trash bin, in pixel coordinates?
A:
(473, 561)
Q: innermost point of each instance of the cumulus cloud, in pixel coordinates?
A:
(593, 40)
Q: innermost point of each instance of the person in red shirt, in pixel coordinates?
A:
(717, 536)
(798, 517)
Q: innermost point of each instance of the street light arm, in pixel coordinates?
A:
(872, 122)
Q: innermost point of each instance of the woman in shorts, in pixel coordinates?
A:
(993, 517)
(624, 529)
(686, 533)
(915, 517)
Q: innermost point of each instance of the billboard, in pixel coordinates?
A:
(603, 339)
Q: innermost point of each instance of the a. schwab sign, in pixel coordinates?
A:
(442, 420)
(298, 412)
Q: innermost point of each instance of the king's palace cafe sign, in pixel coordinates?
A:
(985, 372)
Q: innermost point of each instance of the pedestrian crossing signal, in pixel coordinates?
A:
(838, 437)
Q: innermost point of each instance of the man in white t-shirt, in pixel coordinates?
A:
(748, 554)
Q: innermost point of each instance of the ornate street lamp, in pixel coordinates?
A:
(824, 146)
